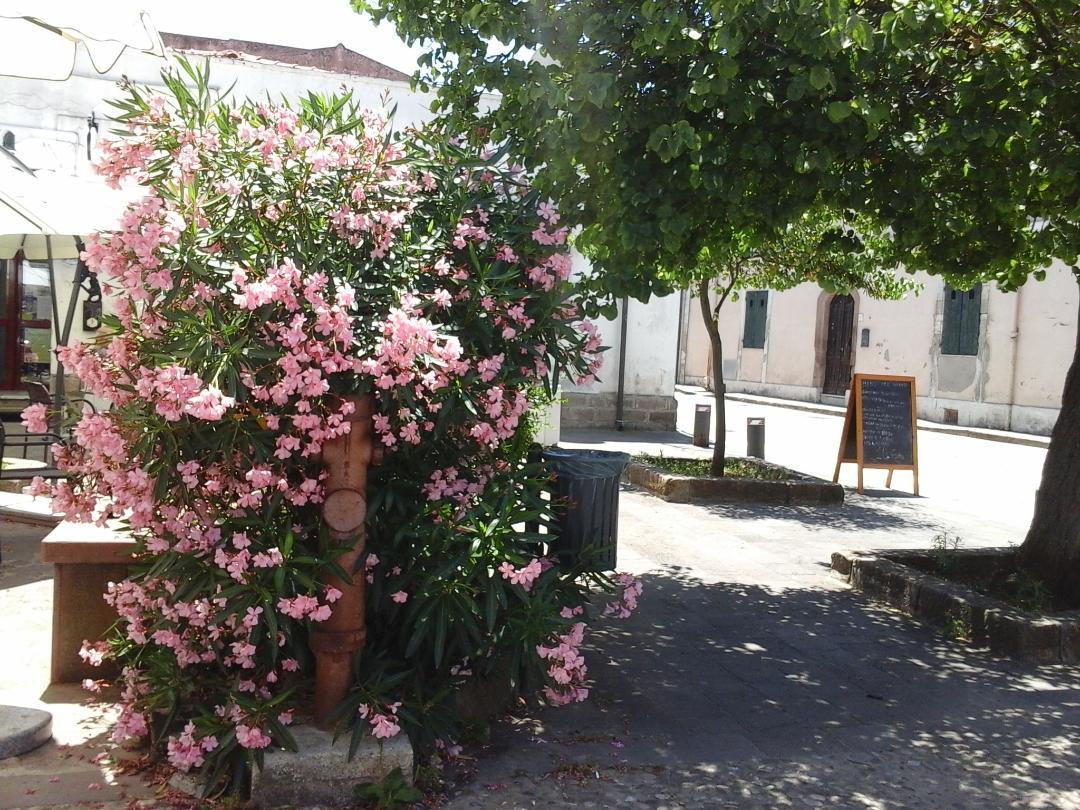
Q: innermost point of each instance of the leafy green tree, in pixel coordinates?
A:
(822, 247)
(988, 188)
(663, 127)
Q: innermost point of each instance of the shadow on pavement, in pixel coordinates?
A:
(764, 694)
(858, 512)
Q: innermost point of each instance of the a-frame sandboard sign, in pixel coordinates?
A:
(880, 430)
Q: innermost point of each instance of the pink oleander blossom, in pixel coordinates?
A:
(250, 737)
(35, 418)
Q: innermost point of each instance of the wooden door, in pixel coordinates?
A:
(838, 348)
(26, 336)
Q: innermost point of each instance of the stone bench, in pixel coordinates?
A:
(85, 559)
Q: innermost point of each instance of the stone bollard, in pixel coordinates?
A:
(334, 641)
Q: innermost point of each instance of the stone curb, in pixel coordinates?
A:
(802, 490)
(1004, 630)
(1029, 440)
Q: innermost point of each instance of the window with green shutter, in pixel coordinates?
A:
(960, 320)
(757, 303)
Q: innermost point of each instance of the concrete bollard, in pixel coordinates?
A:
(755, 437)
(702, 422)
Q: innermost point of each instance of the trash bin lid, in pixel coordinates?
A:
(581, 463)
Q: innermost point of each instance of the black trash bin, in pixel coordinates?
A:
(587, 505)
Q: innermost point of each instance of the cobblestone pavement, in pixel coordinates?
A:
(752, 676)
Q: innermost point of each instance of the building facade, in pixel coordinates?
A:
(635, 389)
(53, 126)
(980, 357)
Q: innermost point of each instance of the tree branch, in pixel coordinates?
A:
(724, 296)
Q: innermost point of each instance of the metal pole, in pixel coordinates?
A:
(57, 418)
(82, 273)
(621, 394)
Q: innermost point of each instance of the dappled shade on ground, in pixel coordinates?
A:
(733, 693)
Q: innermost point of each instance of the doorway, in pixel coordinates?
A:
(25, 323)
(838, 347)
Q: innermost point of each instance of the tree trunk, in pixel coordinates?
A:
(1052, 546)
(716, 358)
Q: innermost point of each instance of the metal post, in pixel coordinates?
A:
(334, 641)
(620, 395)
(82, 272)
(56, 419)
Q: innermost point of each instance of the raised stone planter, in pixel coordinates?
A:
(27, 466)
(320, 774)
(895, 577)
(798, 490)
(85, 558)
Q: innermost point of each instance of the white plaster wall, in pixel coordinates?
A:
(696, 368)
(901, 333)
(651, 346)
(49, 119)
(790, 336)
(652, 335)
(1047, 337)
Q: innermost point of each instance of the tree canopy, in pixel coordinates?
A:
(675, 129)
(667, 127)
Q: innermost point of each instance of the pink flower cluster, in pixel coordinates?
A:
(133, 259)
(186, 751)
(566, 667)
(304, 607)
(462, 485)
(384, 724)
(35, 418)
(120, 159)
(526, 575)
(176, 392)
(626, 600)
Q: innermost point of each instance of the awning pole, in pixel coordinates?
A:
(57, 419)
(52, 288)
(82, 272)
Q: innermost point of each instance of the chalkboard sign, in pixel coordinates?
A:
(880, 427)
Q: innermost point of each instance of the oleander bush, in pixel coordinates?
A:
(283, 260)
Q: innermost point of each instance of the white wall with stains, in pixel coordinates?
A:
(1014, 382)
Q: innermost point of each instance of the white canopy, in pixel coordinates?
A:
(42, 38)
(33, 206)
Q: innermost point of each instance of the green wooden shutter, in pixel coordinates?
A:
(960, 321)
(950, 321)
(969, 323)
(757, 303)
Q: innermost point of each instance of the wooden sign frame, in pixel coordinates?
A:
(855, 412)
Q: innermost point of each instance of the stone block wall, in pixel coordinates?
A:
(597, 410)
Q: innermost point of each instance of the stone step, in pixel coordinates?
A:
(22, 730)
